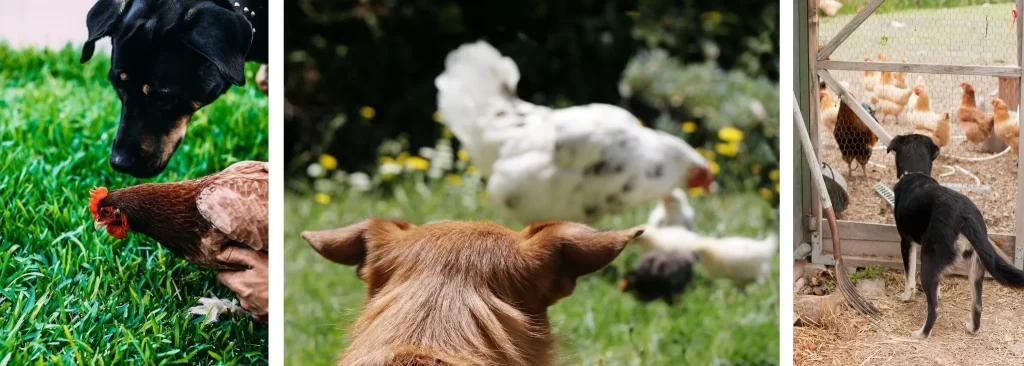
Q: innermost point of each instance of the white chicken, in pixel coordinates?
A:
(673, 210)
(577, 163)
(829, 7)
(740, 260)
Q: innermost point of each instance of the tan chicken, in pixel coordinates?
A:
(925, 121)
(1007, 128)
(829, 109)
(871, 78)
(977, 125)
(890, 99)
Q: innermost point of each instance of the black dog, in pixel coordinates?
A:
(170, 58)
(930, 218)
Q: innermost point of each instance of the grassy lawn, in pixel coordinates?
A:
(713, 323)
(888, 6)
(70, 294)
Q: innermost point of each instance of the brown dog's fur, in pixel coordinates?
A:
(462, 293)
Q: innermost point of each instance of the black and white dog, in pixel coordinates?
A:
(168, 59)
(930, 219)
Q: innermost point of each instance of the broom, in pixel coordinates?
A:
(850, 294)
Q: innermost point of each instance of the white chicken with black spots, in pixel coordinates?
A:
(578, 163)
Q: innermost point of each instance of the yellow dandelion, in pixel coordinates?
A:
(730, 134)
(402, 157)
(729, 149)
(774, 175)
(328, 162)
(367, 112)
(695, 191)
(714, 167)
(689, 127)
(417, 163)
(322, 198)
(385, 160)
(453, 179)
(471, 169)
(437, 116)
(463, 155)
(776, 187)
(766, 194)
(755, 169)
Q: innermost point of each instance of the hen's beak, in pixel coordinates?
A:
(98, 225)
(623, 285)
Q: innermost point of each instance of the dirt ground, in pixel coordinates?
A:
(926, 36)
(847, 338)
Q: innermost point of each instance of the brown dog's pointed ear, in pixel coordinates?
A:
(582, 249)
(348, 245)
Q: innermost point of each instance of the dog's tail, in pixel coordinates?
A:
(1001, 270)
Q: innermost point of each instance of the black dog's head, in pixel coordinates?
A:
(169, 58)
(914, 154)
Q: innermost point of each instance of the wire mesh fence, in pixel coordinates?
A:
(974, 159)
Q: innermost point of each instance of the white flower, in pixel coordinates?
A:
(427, 152)
(391, 168)
(340, 176)
(314, 170)
(359, 181)
(323, 185)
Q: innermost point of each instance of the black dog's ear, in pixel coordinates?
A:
(933, 148)
(101, 21)
(895, 143)
(221, 36)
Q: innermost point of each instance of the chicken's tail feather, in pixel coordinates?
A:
(474, 76)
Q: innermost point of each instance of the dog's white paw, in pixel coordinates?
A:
(907, 296)
(919, 335)
(969, 326)
(213, 307)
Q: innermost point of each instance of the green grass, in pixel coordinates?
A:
(890, 6)
(70, 294)
(713, 323)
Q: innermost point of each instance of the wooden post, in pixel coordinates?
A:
(1009, 91)
(814, 121)
(1019, 240)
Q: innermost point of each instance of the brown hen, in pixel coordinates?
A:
(855, 139)
(977, 125)
(194, 219)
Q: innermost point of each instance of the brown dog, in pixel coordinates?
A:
(462, 293)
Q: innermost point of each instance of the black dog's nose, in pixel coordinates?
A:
(121, 162)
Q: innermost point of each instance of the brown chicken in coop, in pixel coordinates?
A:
(925, 121)
(890, 99)
(829, 109)
(1007, 127)
(977, 125)
(855, 139)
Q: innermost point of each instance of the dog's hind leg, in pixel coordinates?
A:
(931, 271)
(976, 278)
(909, 250)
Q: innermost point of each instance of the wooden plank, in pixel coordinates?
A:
(814, 121)
(864, 231)
(847, 30)
(854, 105)
(1019, 243)
(1009, 92)
(1008, 71)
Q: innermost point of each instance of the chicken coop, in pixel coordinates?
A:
(953, 74)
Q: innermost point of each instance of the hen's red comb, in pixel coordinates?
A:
(95, 196)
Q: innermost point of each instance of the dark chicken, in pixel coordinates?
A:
(855, 139)
(659, 275)
(195, 219)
